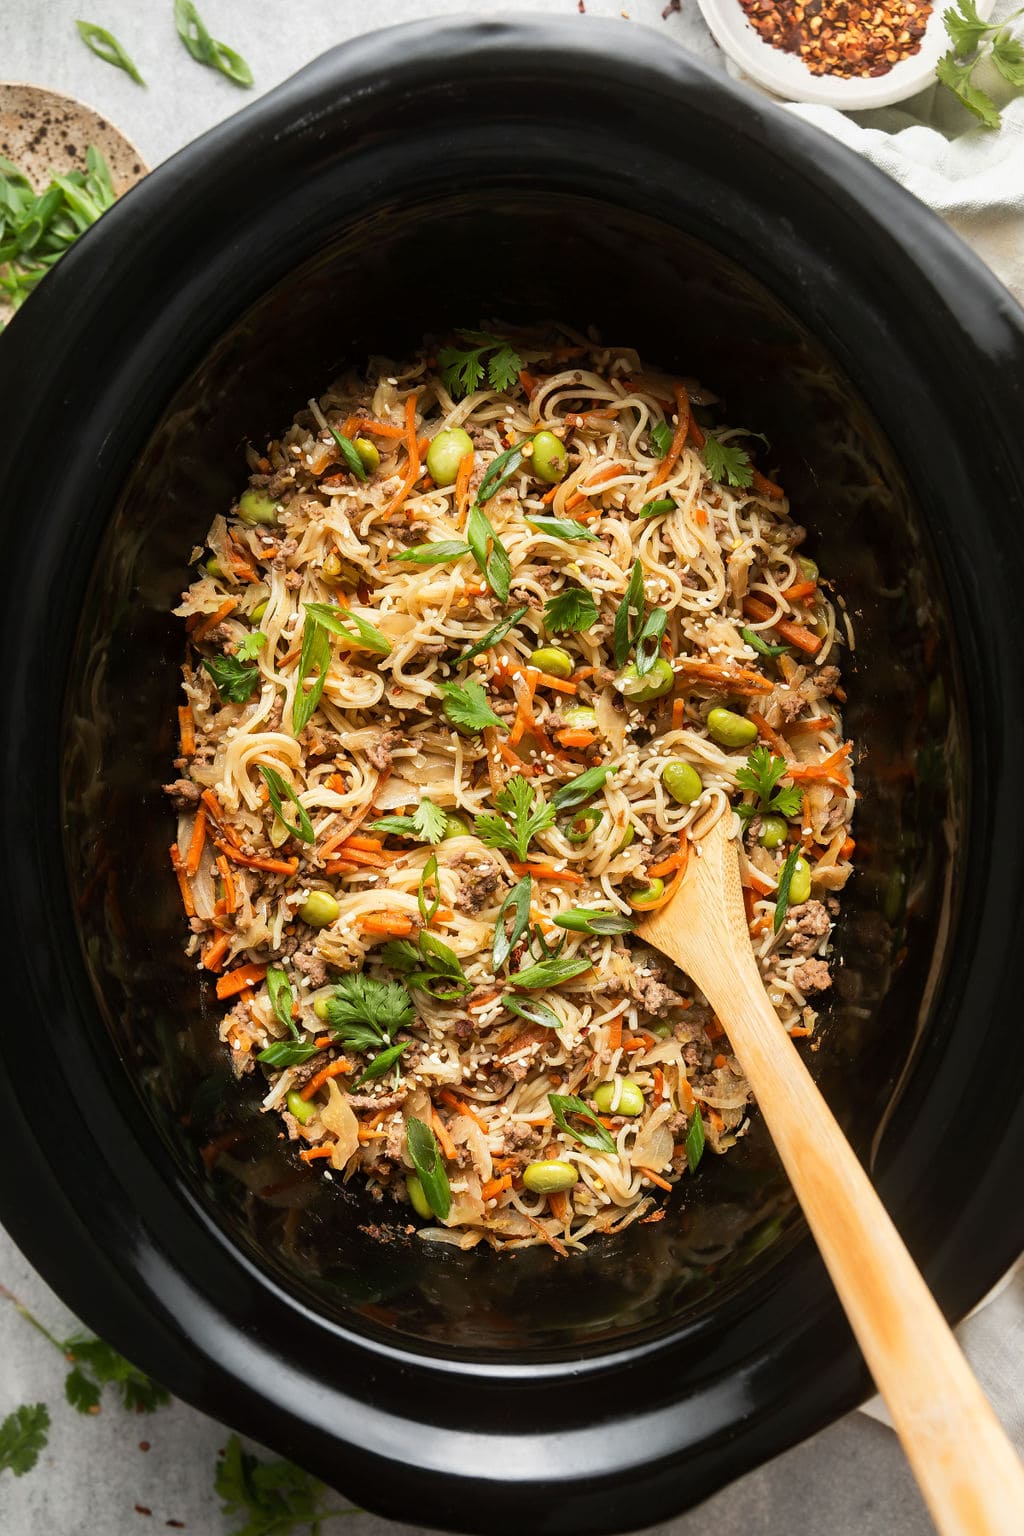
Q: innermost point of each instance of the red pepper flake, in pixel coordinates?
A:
(845, 38)
(143, 1445)
(140, 1509)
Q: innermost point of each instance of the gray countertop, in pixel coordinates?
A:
(95, 1475)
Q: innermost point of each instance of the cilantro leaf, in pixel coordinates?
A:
(23, 1435)
(489, 552)
(277, 789)
(97, 1364)
(466, 706)
(81, 1393)
(1008, 58)
(591, 1134)
(957, 77)
(726, 463)
(427, 824)
(442, 977)
(273, 1497)
(570, 611)
(438, 553)
(964, 26)
(761, 776)
(360, 1007)
(250, 645)
(562, 528)
(526, 809)
(400, 954)
(661, 438)
(234, 680)
(462, 368)
(503, 368)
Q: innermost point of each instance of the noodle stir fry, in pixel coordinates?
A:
(487, 645)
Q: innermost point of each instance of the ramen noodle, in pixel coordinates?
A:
(488, 644)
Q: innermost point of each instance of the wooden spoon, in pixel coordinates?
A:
(964, 1463)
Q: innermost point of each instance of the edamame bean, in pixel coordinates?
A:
(257, 507)
(319, 909)
(730, 729)
(651, 892)
(549, 459)
(368, 453)
(800, 884)
(417, 1196)
(581, 717)
(320, 1007)
(301, 1108)
(683, 782)
(445, 454)
(214, 567)
(455, 826)
(553, 660)
(639, 690)
(773, 831)
(259, 611)
(331, 568)
(631, 1099)
(549, 1178)
(808, 568)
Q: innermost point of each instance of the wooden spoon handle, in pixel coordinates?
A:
(964, 1463)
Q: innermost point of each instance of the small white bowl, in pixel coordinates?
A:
(786, 75)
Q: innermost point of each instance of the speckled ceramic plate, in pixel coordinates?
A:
(786, 75)
(43, 131)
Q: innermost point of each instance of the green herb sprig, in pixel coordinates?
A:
(726, 463)
(525, 813)
(234, 680)
(761, 776)
(462, 368)
(466, 706)
(973, 42)
(23, 1437)
(278, 790)
(570, 611)
(427, 824)
(272, 1497)
(95, 1364)
(591, 1133)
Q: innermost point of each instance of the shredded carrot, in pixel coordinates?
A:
(462, 1108)
(714, 1030)
(679, 436)
(666, 895)
(507, 755)
(659, 1082)
(253, 861)
(310, 1154)
(354, 855)
(336, 781)
(494, 1187)
(575, 738)
(633, 1043)
(242, 976)
(610, 472)
(494, 773)
(736, 679)
(764, 730)
(333, 1069)
(187, 730)
(213, 954)
(367, 1133)
(441, 1132)
(230, 895)
(615, 1032)
(186, 890)
(412, 468)
(719, 1060)
(819, 723)
(545, 680)
(548, 872)
(655, 1178)
(796, 634)
(481, 1002)
(504, 1163)
(528, 381)
(846, 851)
(216, 814)
(323, 1041)
(797, 1032)
(753, 878)
(396, 926)
(800, 590)
(828, 769)
(367, 424)
(678, 711)
(701, 516)
(462, 480)
(558, 1205)
(213, 619)
(715, 1117)
(549, 496)
(766, 487)
(549, 1237)
(369, 844)
(197, 842)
